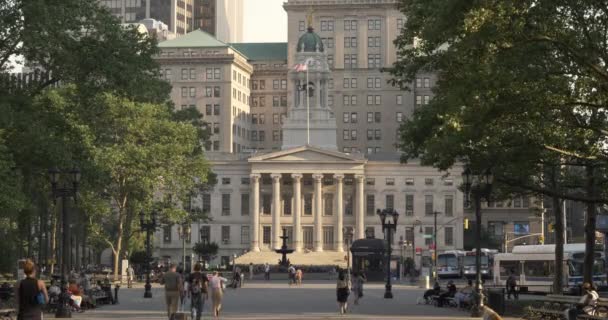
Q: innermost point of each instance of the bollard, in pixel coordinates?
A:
(425, 282)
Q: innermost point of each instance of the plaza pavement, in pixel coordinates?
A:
(275, 300)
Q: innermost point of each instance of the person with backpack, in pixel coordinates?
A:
(198, 291)
(30, 294)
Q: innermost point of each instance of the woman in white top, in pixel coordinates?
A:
(217, 293)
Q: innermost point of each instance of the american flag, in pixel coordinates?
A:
(301, 67)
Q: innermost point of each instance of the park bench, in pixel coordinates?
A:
(553, 307)
(100, 296)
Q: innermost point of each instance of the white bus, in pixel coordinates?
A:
(449, 264)
(534, 266)
(487, 262)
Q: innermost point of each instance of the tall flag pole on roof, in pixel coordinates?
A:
(300, 67)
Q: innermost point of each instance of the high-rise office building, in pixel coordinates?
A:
(221, 18)
(177, 14)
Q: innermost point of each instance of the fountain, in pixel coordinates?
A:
(284, 251)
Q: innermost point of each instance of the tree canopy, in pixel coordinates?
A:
(93, 100)
(520, 90)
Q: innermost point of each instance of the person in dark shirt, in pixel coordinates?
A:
(198, 291)
(450, 294)
(27, 292)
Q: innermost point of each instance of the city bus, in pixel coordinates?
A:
(487, 262)
(533, 266)
(449, 264)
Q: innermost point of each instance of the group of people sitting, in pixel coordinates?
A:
(451, 296)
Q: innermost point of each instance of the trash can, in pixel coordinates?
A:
(496, 300)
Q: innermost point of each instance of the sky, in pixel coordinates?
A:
(265, 21)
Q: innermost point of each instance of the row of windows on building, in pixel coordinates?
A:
(352, 42)
(277, 118)
(389, 181)
(210, 92)
(350, 24)
(351, 100)
(205, 234)
(277, 101)
(370, 231)
(277, 84)
(371, 204)
(372, 117)
(191, 74)
(240, 78)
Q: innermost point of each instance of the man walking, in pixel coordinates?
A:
(198, 291)
(266, 271)
(173, 286)
(250, 270)
(130, 275)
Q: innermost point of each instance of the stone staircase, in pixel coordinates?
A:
(324, 258)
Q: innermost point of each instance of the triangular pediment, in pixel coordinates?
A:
(306, 154)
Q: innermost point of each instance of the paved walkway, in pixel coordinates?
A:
(275, 300)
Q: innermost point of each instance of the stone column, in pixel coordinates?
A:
(339, 213)
(276, 211)
(255, 212)
(297, 211)
(318, 223)
(360, 207)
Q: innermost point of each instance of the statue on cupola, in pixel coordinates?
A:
(310, 119)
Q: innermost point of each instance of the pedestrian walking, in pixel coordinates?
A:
(511, 285)
(217, 292)
(250, 270)
(299, 277)
(30, 294)
(173, 286)
(130, 275)
(358, 280)
(198, 291)
(266, 271)
(342, 291)
(292, 274)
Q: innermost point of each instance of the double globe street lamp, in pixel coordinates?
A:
(64, 192)
(480, 187)
(388, 228)
(149, 226)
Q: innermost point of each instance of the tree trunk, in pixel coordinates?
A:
(118, 246)
(558, 284)
(53, 243)
(590, 227)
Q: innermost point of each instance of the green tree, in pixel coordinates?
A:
(205, 251)
(519, 91)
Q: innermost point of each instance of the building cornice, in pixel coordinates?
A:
(211, 59)
(304, 5)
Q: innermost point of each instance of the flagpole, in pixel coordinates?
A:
(307, 107)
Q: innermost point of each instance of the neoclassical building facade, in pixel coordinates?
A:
(321, 198)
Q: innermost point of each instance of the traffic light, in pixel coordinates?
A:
(466, 223)
(551, 227)
(541, 239)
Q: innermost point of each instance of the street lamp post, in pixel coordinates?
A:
(479, 186)
(184, 233)
(148, 226)
(388, 227)
(63, 192)
(416, 223)
(435, 213)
